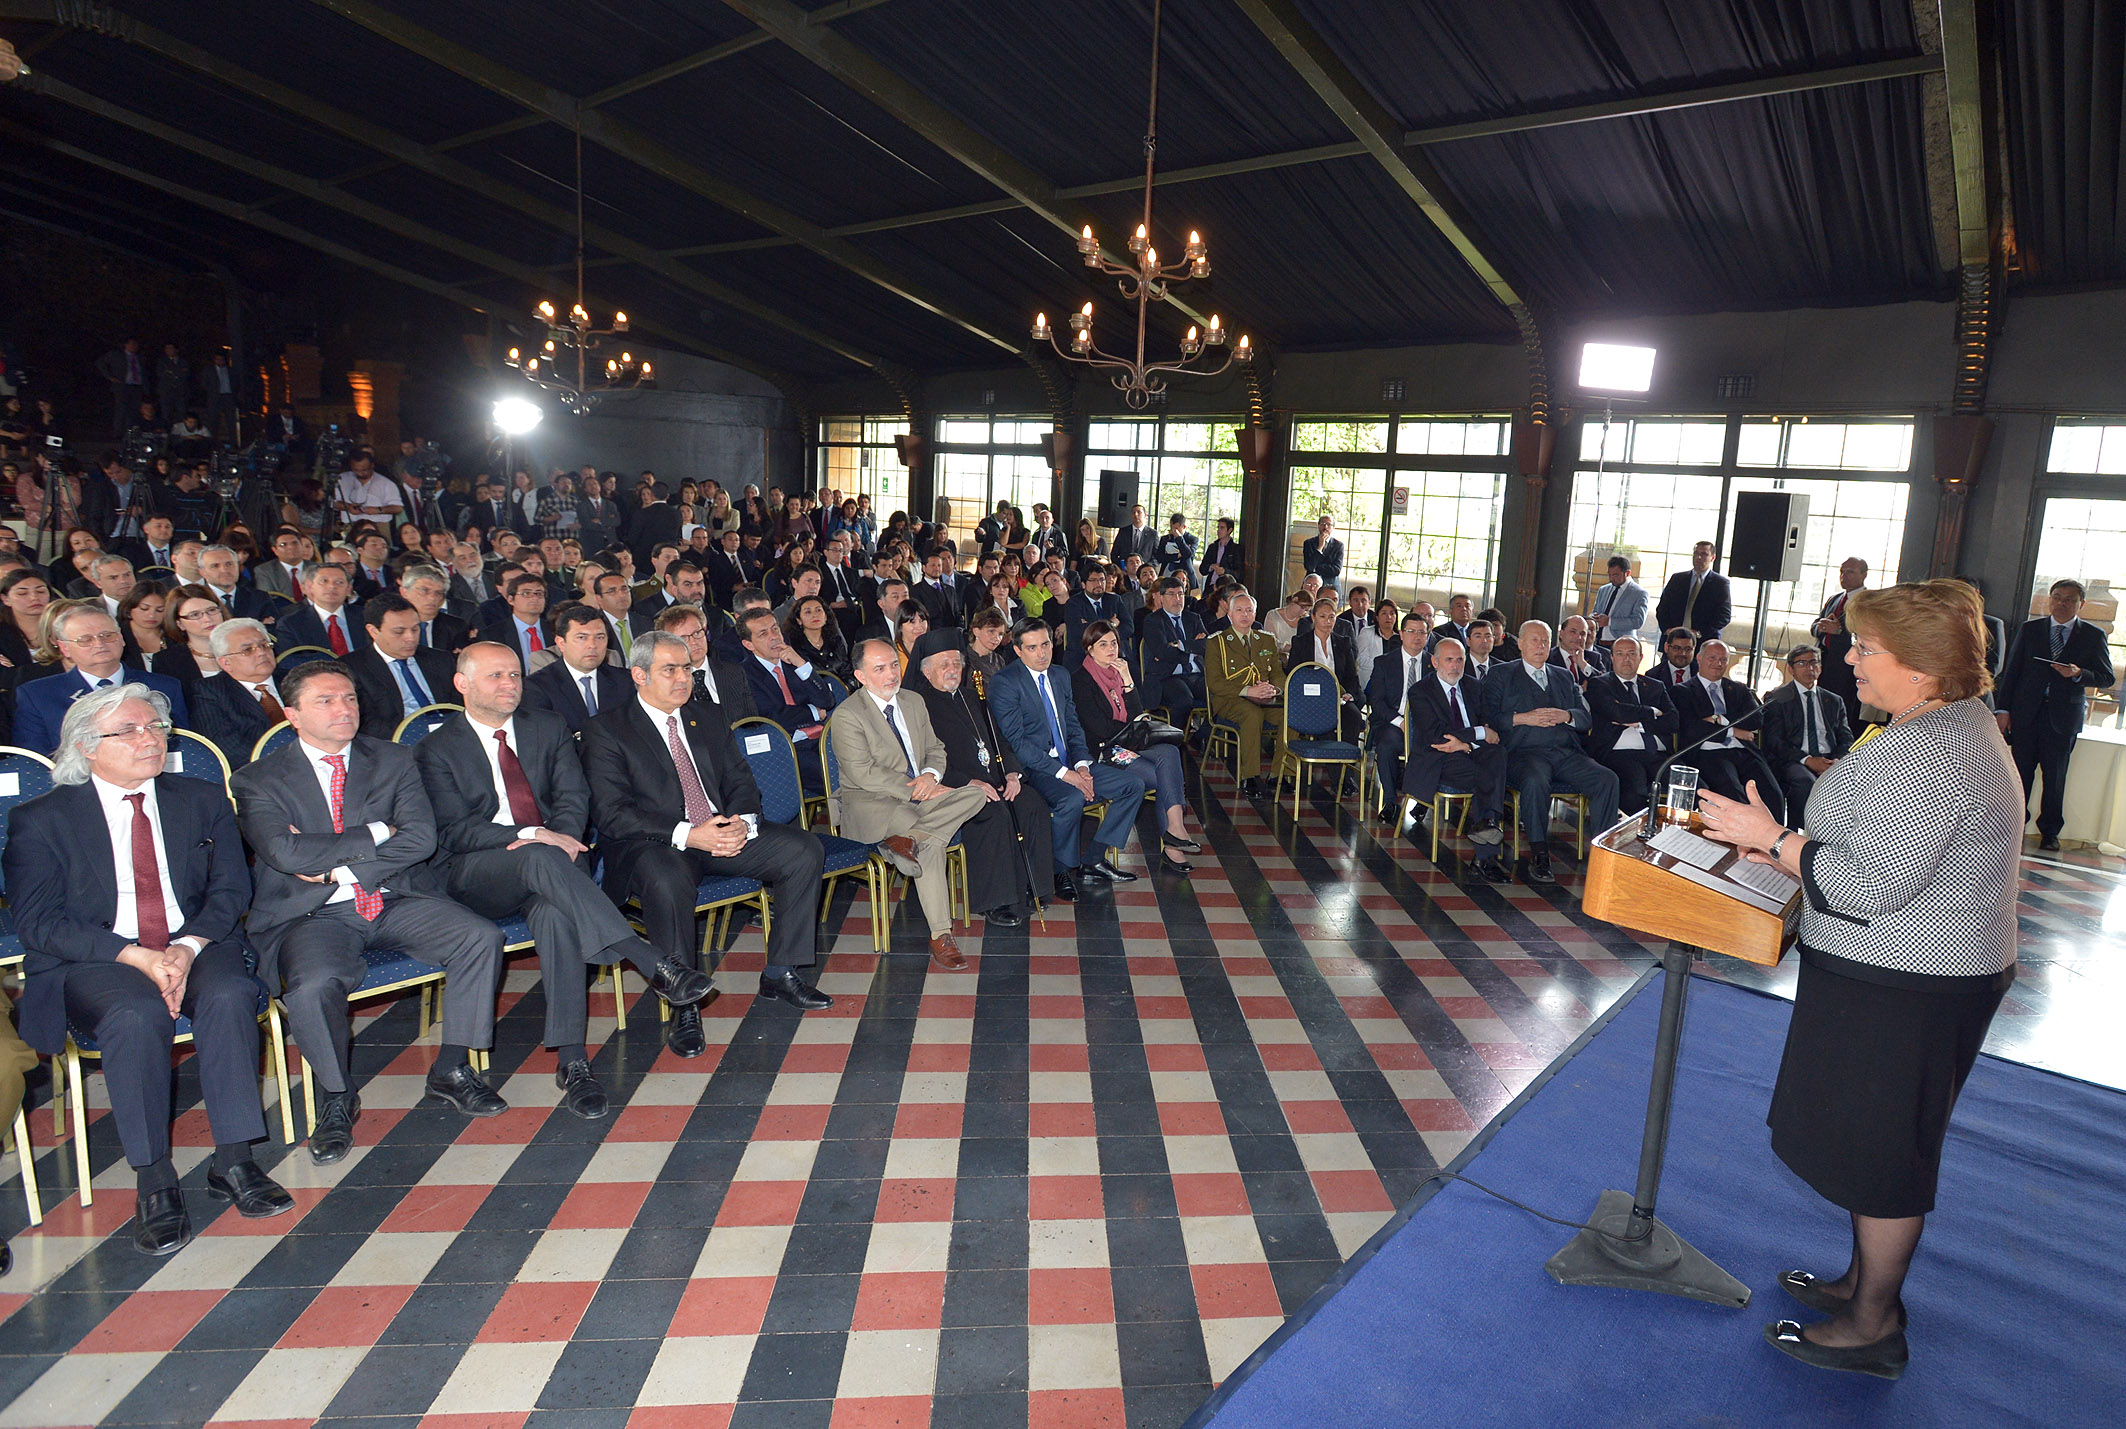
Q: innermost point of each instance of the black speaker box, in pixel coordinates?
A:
(1118, 493)
(1765, 544)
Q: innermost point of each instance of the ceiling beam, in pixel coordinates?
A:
(640, 149)
(318, 191)
(362, 131)
(1374, 127)
(1964, 72)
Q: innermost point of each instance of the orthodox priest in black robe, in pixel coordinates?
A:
(998, 884)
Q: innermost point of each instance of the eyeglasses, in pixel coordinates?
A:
(106, 637)
(251, 649)
(1864, 651)
(160, 728)
(200, 614)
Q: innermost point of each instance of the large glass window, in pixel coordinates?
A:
(1418, 501)
(982, 460)
(857, 457)
(2091, 448)
(2084, 538)
(1190, 465)
(1650, 489)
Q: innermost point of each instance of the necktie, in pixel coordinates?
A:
(523, 806)
(533, 635)
(1605, 600)
(590, 697)
(335, 636)
(147, 879)
(895, 725)
(784, 681)
(367, 902)
(270, 705)
(1454, 702)
(1719, 698)
(699, 809)
(416, 693)
(1692, 603)
(2059, 640)
(1808, 720)
(1048, 707)
(427, 640)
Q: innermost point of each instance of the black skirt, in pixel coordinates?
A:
(1869, 1076)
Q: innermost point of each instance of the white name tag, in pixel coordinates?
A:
(758, 743)
(10, 785)
(172, 763)
(1310, 688)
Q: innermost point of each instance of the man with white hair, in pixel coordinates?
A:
(1540, 713)
(89, 641)
(128, 889)
(238, 702)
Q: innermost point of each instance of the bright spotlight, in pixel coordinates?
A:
(515, 416)
(1607, 367)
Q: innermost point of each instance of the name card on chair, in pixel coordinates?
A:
(10, 786)
(759, 743)
(1310, 688)
(173, 763)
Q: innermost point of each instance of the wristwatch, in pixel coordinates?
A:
(1780, 842)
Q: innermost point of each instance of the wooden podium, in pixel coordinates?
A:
(1636, 887)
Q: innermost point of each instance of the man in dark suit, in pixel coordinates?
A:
(725, 568)
(524, 629)
(614, 602)
(470, 585)
(1175, 553)
(1223, 556)
(717, 682)
(1451, 746)
(238, 702)
(128, 890)
(656, 521)
(1696, 599)
(839, 584)
(341, 826)
(1136, 539)
(429, 589)
(675, 802)
(1324, 642)
(1092, 602)
(2044, 695)
(1805, 730)
(938, 592)
(221, 572)
(488, 510)
(1322, 554)
(891, 594)
(1173, 643)
(129, 371)
(1706, 706)
(93, 642)
(1634, 722)
(1575, 655)
(1032, 703)
(788, 691)
(559, 687)
(371, 576)
(683, 585)
(322, 617)
(1678, 664)
(1461, 614)
(1395, 671)
(1835, 639)
(1540, 713)
(393, 674)
(512, 808)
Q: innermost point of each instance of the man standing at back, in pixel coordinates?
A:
(1834, 639)
(2044, 698)
(340, 823)
(1696, 599)
(1322, 554)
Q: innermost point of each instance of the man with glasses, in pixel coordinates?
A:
(238, 701)
(128, 889)
(1805, 729)
(88, 640)
(719, 682)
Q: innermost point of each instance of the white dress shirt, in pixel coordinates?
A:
(118, 814)
(1413, 672)
(379, 832)
(680, 830)
(326, 617)
(1634, 735)
(486, 733)
(899, 725)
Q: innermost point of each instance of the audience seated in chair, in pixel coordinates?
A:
(1539, 713)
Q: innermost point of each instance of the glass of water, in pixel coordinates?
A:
(1679, 802)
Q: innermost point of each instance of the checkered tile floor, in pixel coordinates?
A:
(1075, 1186)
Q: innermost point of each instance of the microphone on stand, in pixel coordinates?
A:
(1659, 787)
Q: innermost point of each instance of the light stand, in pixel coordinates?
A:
(1629, 1248)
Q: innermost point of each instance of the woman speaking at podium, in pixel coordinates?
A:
(1907, 865)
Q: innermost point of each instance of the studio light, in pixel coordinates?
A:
(514, 416)
(1609, 367)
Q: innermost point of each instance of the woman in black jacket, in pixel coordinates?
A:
(814, 634)
(1106, 696)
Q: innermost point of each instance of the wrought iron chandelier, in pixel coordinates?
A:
(576, 361)
(1142, 282)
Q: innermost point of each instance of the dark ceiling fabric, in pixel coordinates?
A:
(2063, 75)
(1818, 198)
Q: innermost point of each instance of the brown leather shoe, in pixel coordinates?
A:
(901, 849)
(945, 952)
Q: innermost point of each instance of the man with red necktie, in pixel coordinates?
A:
(324, 617)
(340, 822)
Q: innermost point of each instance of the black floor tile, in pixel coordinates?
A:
(185, 1388)
(600, 1374)
(439, 1314)
(1163, 1352)
(986, 1298)
(804, 1366)
(803, 1302)
(982, 1361)
(631, 1309)
(396, 1379)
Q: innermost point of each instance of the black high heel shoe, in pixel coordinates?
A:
(1178, 868)
(1885, 1359)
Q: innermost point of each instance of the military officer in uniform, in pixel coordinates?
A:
(1241, 665)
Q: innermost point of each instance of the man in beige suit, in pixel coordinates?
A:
(892, 765)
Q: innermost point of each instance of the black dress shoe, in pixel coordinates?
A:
(7, 1257)
(683, 1033)
(1885, 1359)
(2050, 843)
(1098, 871)
(1251, 788)
(332, 1137)
(1003, 918)
(1114, 874)
(256, 1194)
(1066, 888)
(580, 1091)
(678, 984)
(464, 1089)
(785, 985)
(163, 1226)
(1539, 868)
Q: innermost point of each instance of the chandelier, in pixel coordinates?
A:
(1144, 281)
(576, 361)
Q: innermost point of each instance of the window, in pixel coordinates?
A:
(2084, 539)
(2094, 448)
(1187, 465)
(1846, 518)
(1418, 501)
(857, 456)
(1837, 446)
(983, 460)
